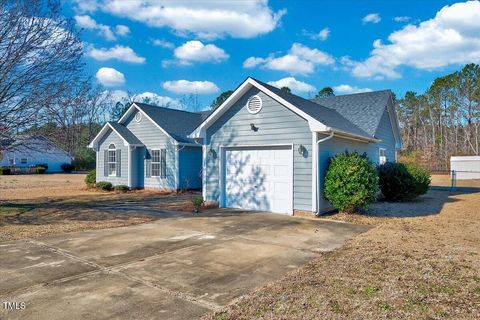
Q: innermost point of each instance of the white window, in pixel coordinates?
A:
(23, 161)
(112, 160)
(382, 156)
(159, 163)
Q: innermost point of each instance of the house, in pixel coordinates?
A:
(149, 148)
(266, 149)
(31, 150)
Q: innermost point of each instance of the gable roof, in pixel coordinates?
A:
(176, 123)
(328, 116)
(35, 142)
(319, 118)
(126, 134)
(364, 109)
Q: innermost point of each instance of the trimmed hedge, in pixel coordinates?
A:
(402, 182)
(5, 171)
(351, 182)
(91, 178)
(121, 188)
(104, 185)
(67, 167)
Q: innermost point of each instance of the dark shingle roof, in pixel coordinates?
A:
(363, 109)
(177, 123)
(328, 116)
(125, 133)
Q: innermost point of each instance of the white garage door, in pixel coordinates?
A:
(259, 179)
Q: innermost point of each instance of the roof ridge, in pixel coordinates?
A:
(353, 94)
(171, 109)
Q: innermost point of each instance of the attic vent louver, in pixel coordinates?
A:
(254, 104)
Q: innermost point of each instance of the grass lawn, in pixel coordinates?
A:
(421, 262)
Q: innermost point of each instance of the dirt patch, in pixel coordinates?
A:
(410, 266)
(38, 205)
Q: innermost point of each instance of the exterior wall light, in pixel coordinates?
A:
(253, 128)
(212, 153)
(302, 151)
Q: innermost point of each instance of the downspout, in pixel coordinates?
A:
(317, 180)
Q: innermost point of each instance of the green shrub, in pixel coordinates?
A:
(351, 182)
(42, 165)
(67, 167)
(91, 178)
(40, 170)
(421, 177)
(5, 171)
(197, 203)
(402, 182)
(104, 185)
(121, 188)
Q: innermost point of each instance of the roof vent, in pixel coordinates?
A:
(254, 104)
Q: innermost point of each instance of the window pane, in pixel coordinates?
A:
(155, 155)
(155, 169)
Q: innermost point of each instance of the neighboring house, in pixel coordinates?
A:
(265, 149)
(30, 150)
(149, 148)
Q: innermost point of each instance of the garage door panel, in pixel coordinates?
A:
(259, 179)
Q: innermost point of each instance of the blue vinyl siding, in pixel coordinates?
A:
(153, 138)
(277, 125)
(107, 139)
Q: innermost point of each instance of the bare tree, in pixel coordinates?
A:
(40, 60)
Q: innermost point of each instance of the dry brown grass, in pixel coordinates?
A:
(39, 205)
(425, 267)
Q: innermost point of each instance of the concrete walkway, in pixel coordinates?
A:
(178, 267)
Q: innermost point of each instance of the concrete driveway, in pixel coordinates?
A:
(178, 267)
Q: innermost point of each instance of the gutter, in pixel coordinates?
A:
(317, 180)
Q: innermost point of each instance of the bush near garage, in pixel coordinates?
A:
(40, 170)
(5, 171)
(402, 182)
(121, 188)
(67, 167)
(91, 178)
(104, 185)
(351, 182)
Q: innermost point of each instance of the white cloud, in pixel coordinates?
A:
(196, 51)
(118, 52)
(295, 85)
(163, 43)
(122, 30)
(208, 19)
(348, 89)
(321, 35)
(450, 38)
(299, 60)
(372, 18)
(110, 77)
(88, 23)
(402, 19)
(185, 86)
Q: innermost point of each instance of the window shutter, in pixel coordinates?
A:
(118, 165)
(105, 163)
(148, 163)
(163, 163)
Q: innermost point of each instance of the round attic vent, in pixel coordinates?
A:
(138, 117)
(254, 104)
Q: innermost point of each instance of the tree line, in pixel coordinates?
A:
(443, 121)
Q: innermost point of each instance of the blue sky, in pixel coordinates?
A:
(172, 48)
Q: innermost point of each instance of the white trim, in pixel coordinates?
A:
(379, 156)
(314, 171)
(395, 123)
(177, 168)
(129, 164)
(204, 172)
(222, 170)
(316, 177)
(129, 112)
(94, 143)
